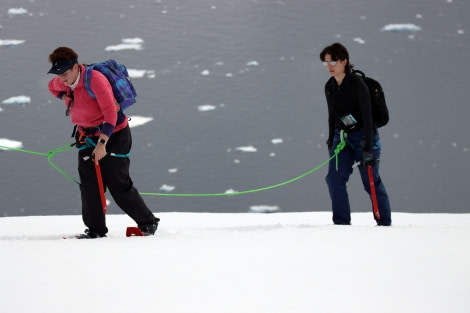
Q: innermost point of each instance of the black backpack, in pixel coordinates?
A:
(377, 99)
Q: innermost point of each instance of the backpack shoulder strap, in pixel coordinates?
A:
(87, 80)
(358, 72)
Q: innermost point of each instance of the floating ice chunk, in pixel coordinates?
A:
(172, 170)
(246, 149)
(136, 73)
(264, 209)
(230, 191)
(205, 73)
(124, 46)
(359, 40)
(277, 141)
(11, 42)
(151, 74)
(166, 188)
(127, 44)
(17, 11)
(136, 40)
(139, 120)
(206, 107)
(401, 28)
(252, 63)
(17, 100)
(229, 75)
(10, 143)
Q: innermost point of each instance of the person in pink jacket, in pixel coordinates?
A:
(101, 129)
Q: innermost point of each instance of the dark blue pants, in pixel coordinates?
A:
(337, 178)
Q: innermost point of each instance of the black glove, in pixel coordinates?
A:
(368, 158)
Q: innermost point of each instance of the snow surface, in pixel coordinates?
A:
(245, 262)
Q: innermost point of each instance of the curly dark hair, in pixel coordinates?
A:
(337, 52)
(63, 54)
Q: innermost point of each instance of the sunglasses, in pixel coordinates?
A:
(69, 105)
(326, 63)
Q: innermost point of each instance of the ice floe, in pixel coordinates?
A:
(206, 107)
(252, 63)
(277, 141)
(17, 100)
(407, 27)
(167, 188)
(139, 120)
(11, 42)
(359, 40)
(136, 73)
(246, 149)
(127, 44)
(17, 11)
(264, 209)
(10, 143)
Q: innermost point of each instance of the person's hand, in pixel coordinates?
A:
(368, 158)
(99, 152)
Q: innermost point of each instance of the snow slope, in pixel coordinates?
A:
(247, 262)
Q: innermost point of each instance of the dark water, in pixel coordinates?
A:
(425, 146)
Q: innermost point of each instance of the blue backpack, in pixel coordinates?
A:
(117, 75)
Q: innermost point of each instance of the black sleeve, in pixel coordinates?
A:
(331, 114)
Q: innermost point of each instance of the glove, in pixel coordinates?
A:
(368, 158)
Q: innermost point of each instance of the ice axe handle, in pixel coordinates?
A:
(373, 195)
(100, 185)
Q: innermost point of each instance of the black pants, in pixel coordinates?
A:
(115, 174)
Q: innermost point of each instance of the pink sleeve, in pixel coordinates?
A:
(57, 88)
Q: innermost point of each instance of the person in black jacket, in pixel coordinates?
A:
(349, 109)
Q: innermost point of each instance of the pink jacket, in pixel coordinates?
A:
(86, 112)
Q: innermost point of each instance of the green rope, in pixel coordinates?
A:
(68, 147)
(50, 154)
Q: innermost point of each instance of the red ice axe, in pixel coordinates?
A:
(100, 186)
(373, 195)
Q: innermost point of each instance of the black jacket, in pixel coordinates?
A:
(352, 97)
